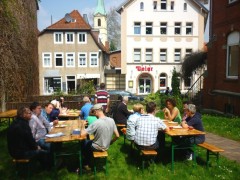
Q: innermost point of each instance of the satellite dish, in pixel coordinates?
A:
(68, 18)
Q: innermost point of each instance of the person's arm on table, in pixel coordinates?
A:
(184, 124)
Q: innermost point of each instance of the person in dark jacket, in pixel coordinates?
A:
(122, 112)
(21, 144)
(194, 120)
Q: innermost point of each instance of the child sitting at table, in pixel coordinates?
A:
(91, 117)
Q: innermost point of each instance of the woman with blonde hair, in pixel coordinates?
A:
(138, 110)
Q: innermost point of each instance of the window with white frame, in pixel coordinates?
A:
(82, 38)
(163, 55)
(47, 59)
(137, 55)
(149, 27)
(149, 55)
(187, 82)
(52, 84)
(189, 28)
(69, 37)
(231, 1)
(188, 52)
(58, 37)
(58, 59)
(233, 55)
(93, 59)
(82, 59)
(163, 28)
(172, 5)
(185, 6)
(70, 59)
(177, 28)
(137, 27)
(155, 5)
(163, 80)
(163, 4)
(177, 55)
(141, 6)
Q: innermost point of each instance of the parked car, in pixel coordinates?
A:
(126, 93)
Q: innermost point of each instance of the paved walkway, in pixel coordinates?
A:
(231, 148)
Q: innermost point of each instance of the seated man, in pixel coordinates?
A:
(194, 120)
(21, 144)
(86, 108)
(46, 112)
(138, 110)
(147, 127)
(122, 112)
(39, 126)
(103, 130)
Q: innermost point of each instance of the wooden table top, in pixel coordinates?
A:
(182, 131)
(9, 113)
(70, 115)
(66, 127)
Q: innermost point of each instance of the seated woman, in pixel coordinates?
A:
(171, 112)
(138, 110)
(55, 112)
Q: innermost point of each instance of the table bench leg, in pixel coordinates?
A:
(80, 158)
(172, 166)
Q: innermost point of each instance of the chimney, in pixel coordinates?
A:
(107, 46)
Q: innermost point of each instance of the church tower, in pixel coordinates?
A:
(100, 21)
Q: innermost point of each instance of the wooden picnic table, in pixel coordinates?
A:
(8, 115)
(178, 131)
(67, 128)
(70, 115)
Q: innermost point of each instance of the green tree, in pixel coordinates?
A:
(175, 83)
(112, 46)
(193, 62)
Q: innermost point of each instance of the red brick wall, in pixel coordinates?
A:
(226, 19)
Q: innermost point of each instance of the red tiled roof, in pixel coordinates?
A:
(79, 22)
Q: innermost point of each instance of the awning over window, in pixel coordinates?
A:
(88, 76)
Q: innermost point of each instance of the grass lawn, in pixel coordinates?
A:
(122, 164)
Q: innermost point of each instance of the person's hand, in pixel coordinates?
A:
(38, 148)
(55, 122)
(107, 110)
(85, 122)
(166, 110)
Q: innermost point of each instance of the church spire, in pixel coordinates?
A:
(100, 8)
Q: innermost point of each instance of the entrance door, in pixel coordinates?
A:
(145, 85)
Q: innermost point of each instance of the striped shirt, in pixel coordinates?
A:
(147, 127)
(102, 96)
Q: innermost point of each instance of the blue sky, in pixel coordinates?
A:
(58, 8)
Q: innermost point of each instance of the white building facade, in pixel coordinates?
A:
(155, 38)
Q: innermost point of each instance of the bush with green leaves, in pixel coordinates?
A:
(160, 100)
(87, 88)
